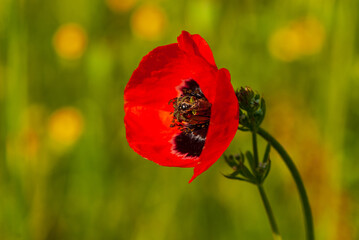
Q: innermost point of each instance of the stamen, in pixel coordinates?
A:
(191, 116)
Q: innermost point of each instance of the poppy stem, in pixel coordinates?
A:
(255, 149)
(272, 222)
(298, 181)
(275, 231)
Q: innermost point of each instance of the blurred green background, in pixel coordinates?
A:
(67, 172)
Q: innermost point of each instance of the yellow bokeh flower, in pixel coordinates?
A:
(120, 5)
(285, 45)
(299, 38)
(70, 41)
(312, 35)
(65, 125)
(148, 22)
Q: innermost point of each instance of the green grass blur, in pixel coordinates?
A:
(67, 172)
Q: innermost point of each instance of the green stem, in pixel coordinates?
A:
(298, 181)
(255, 149)
(275, 231)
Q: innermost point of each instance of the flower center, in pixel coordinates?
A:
(191, 115)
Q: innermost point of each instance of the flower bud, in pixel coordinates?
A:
(252, 108)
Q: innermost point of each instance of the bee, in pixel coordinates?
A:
(191, 108)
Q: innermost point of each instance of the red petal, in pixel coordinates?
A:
(147, 85)
(223, 123)
(196, 45)
(148, 133)
(147, 112)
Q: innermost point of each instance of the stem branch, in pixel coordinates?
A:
(255, 149)
(275, 231)
(298, 181)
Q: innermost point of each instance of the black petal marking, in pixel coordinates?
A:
(188, 144)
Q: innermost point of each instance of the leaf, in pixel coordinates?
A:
(266, 153)
(266, 171)
(246, 173)
(230, 161)
(250, 160)
(243, 129)
(238, 178)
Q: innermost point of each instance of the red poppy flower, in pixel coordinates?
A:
(180, 109)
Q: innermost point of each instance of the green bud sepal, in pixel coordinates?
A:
(252, 109)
